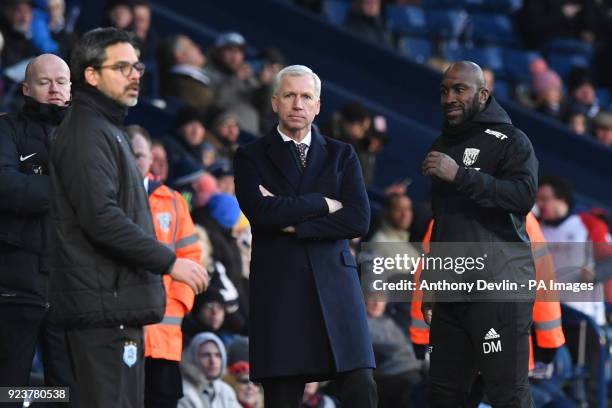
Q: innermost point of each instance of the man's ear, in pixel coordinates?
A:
(92, 76)
(484, 95)
(25, 88)
(274, 102)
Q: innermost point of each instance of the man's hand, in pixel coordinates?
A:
(440, 165)
(290, 229)
(427, 310)
(333, 205)
(189, 272)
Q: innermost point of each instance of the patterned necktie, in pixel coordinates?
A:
(301, 148)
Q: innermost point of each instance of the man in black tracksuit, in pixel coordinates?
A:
(484, 179)
(25, 139)
(106, 263)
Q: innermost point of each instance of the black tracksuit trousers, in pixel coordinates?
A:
(488, 338)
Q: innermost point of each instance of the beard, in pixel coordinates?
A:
(468, 112)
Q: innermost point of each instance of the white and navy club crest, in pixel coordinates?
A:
(470, 155)
(164, 220)
(130, 353)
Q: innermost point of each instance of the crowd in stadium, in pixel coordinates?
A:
(221, 100)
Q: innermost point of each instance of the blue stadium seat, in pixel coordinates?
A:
(517, 62)
(486, 57)
(493, 29)
(440, 4)
(492, 6)
(406, 20)
(569, 46)
(417, 49)
(564, 63)
(452, 50)
(605, 101)
(503, 89)
(336, 11)
(446, 24)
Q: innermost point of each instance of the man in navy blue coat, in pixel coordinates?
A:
(304, 196)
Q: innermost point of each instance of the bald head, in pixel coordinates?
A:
(47, 80)
(463, 92)
(468, 71)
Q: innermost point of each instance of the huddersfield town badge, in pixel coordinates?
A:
(470, 155)
(130, 353)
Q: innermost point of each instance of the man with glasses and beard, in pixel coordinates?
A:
(106, 264)
(484, 180)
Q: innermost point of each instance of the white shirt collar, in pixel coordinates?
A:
(146, 184)
(286, 138)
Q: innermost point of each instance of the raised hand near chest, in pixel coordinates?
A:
(440, 165)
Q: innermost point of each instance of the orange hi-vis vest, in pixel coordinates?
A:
(546, 308)
(174, 228)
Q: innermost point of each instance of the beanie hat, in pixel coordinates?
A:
(187, 114)
(224, 209)
(545, 80)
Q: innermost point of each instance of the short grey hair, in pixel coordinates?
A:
(296, 70)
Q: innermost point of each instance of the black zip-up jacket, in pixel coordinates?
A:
(492, 193)
(105, 262)
(25, 138)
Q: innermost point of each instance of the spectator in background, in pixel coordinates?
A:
(249, 394)
(573, 262)
(219, 217)
(489, 77)
(314, 398)
(577, 120)
(119, 14)
(354, 125)
(212, 313)
(189, 130)
(159, 166)
(226, 128)
(564, 18)
(602, 128)
(397, 368)
(224, 174)
(397, 219)
(62, 31)
(146, 37)
(273, 62)
(182, 72)
(581, 92)
(203, 367)
(233, 80)
(365, 21)
(15, 26)
(548, 93)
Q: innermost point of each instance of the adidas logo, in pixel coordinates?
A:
(492, 334)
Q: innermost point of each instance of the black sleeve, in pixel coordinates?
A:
(514, 188)
(353, 220)
(271, 212)
(91, 184)
(19, 193)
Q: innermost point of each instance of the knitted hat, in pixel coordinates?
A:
(224, 209)
(545, 80)
(230, 39)
(187, 114)
(238, 356)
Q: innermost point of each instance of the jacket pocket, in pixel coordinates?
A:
(348, 259)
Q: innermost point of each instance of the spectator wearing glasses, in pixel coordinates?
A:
(106, 264)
